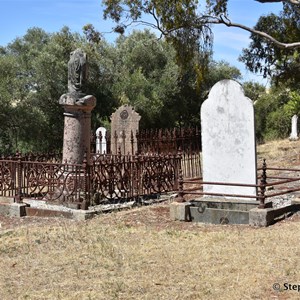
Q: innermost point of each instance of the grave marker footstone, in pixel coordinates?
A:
(228, 140)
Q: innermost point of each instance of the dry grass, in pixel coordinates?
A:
(280, 153)
(141, 254)
(98, 260)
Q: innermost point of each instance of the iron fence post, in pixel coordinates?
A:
(263, 182)
(18, 197)
(123, 136)
(116, 141)
(180, 179)
(136, 177)
(86, 184)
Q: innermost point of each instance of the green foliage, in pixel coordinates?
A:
(36, 76)
(282, 65)
(292, 107)
(183, 23)
(139, 70)
(273, 112)
(92, 35)
(277, 125)
(253, 90)
(221, 70)
(146, 76)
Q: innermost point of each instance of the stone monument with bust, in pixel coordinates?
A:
(77, 110)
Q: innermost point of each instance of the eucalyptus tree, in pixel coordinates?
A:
(261, 56)
(147, 76)
(36, 77)
(185, 22)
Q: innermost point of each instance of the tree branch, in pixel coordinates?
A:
(228, 23)
(272, 1)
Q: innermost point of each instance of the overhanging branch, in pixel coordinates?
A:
(272, 1)
(262, 34)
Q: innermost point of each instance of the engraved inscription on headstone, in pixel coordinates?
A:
(228, 140)
(124, 125)
(124, 114)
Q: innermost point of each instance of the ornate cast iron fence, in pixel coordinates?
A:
(131, 177)
(109, 178)
(187, 140)
(8, 178)
(162, 141)
(54, 157)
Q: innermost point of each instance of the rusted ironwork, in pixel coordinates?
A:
(126, 176)
(19, 179)
(169, 140)
(160, 141)
(267, 187)
(8, 178)
(114, 178)
(62, 183)
(222, 183)
(263, 182)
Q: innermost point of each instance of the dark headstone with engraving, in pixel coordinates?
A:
(124, 125)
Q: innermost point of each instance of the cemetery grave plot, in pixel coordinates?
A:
(230, 190)
(108, 179)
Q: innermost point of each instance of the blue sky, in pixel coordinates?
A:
(51, 15)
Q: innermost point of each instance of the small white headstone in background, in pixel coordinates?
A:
(294, 133)
(101, 140)
(228, 140)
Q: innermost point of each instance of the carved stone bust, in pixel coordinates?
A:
(77, 78)
(77, 72)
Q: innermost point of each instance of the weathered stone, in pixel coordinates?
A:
(180, 211)
(124, 122)
(267, 216)
(77, 111)
(294, 131)
(77, 72)
(101, 146)
(39, 212)
(77, 133)
(219, 216)
(12, 209)
(228, 140)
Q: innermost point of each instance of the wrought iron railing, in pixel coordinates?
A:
(127, 177)
(188, 140)
(158, 141)
(107, 178)
(271, 182)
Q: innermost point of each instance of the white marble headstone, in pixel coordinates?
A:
(294, 132)
(228, 140)
(101, 140)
